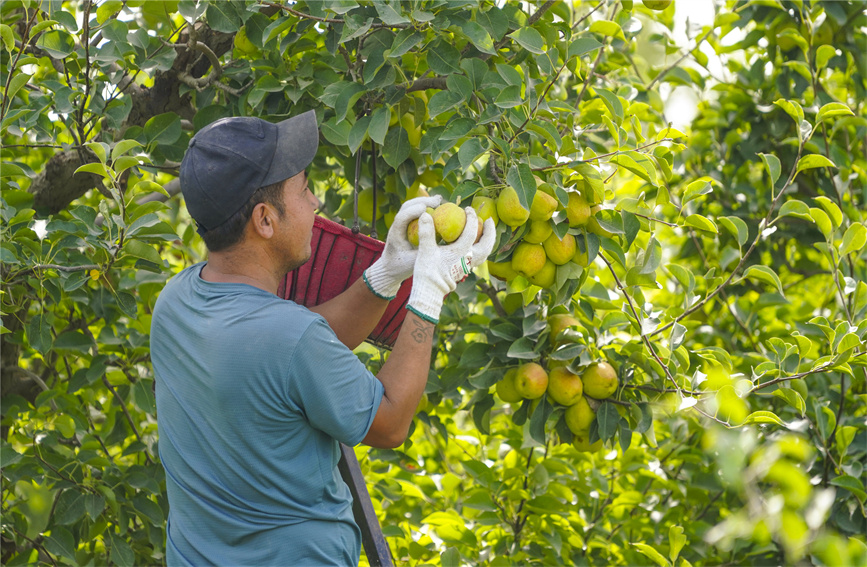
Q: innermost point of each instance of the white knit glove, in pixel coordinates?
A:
(398, 257)
(483, 248)
(438, 269)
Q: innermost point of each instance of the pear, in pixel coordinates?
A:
(509, 208)
(528, 259)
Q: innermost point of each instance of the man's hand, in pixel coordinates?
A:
(395, 265)
(438, 269)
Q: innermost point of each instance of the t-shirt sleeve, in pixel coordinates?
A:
(332, 388)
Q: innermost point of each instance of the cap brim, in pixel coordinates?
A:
(297, 142)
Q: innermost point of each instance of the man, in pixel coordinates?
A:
(254, 393)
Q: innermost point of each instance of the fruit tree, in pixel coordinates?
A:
(664, 361)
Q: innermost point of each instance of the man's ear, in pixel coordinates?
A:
(262, 220)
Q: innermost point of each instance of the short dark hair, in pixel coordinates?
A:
(231, 232)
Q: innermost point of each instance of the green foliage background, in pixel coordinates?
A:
(729, 293)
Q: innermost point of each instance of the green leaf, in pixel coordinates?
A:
(396, 147)
(696, 189)
(389, 15)
(443, 59)
(854, 239)
(58, 43)
(844, 437)
(70, 507)
(826, 421)
(792, 398)
(18, 81)
(812, 161)
(833, 109)
(832, 209)
(60, 542)
(358, 133)
(108, 9)
(763, 417)
(581, 46)
(143, 396)
(337, 132)
(539, 418)
(701, 223)
(223, 16)
(847, 342)
(763, 274)
(39, 333)
(522, 349)
(521, 179)
(479, 37)
(139, 249)
(793, 109)
(378, 127)
(852, 484)
(607, 28)
(822, 220)
(347, 97)
(121, 553)
(824, 54)
(149, 187)
(163, 128)
(737, 227)
(676, 541)
(796, 208)
(529, 39)
(404, 42)
(8, 37)
(443, 101)
(615, 107)
(469, 152)
(772, 164)
(607, 419)
(74, 340)
(123, 147)
(652, 554)
(508, 97)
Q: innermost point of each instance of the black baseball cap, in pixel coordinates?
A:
(228, 160)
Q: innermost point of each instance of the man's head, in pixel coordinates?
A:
(235, 163)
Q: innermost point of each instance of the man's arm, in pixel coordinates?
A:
(353, 314)
(404, 376)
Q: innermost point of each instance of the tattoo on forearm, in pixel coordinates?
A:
(422, 331)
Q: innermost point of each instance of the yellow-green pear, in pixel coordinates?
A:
(486, 208)
(531, 381)
(509, 208)
(600, 380)
(528, 259)
(564, 386)
(506, 387)
(560, 251)
(543, 206)
(546, 276)
(502, 270)
(579, 416)
(538, 232)
(449, 221)
(577, 210)
(558, 323)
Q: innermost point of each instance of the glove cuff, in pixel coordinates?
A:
(426, 302)
(380, 282)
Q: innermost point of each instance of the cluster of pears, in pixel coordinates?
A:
(449, 223)
(531, 381)
(541, 250)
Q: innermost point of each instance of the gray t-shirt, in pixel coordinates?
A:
(253, 395)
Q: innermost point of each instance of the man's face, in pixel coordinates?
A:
(295, 228)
